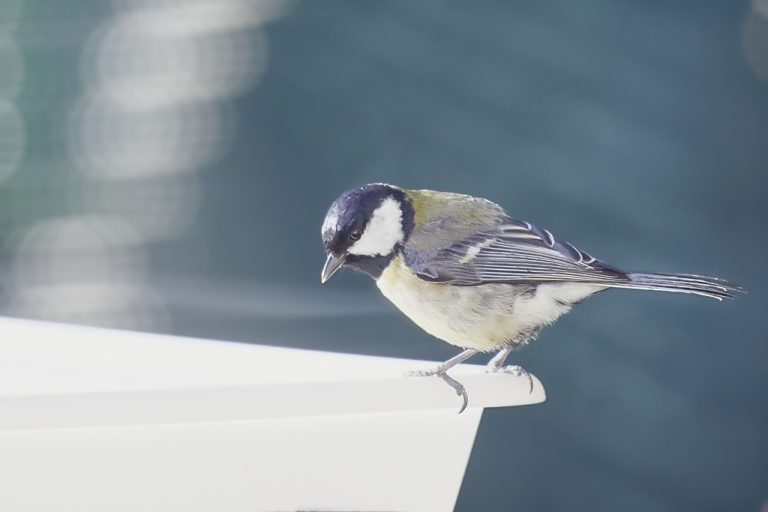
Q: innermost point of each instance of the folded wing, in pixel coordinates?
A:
(512, 251)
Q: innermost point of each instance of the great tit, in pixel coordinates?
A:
(467, 273)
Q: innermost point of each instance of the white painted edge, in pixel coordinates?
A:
(321, 393)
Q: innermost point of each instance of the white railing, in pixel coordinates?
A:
(95, 420)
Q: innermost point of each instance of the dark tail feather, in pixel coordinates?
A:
(684, 283)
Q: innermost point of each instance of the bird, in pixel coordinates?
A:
(469, 274)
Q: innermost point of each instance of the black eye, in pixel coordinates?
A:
(354, 235)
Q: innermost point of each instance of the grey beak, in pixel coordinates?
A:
(332, 264)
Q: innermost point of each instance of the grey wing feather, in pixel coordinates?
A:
(513, 251)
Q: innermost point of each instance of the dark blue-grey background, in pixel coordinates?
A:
(636, 130)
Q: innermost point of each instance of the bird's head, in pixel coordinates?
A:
(365, 227)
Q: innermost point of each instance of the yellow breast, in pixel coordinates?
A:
(465, 316)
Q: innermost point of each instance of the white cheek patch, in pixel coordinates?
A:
(383, 232)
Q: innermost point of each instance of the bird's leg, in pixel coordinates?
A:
(444, 367)
(496, 365)
(497, 362)
(441, 371)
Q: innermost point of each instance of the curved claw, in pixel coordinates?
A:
(440, 372)
(458, 387)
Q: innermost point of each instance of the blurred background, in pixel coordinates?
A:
(165, 165)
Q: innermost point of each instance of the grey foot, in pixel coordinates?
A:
(424, 373)
(517, 371)
(440, 371)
